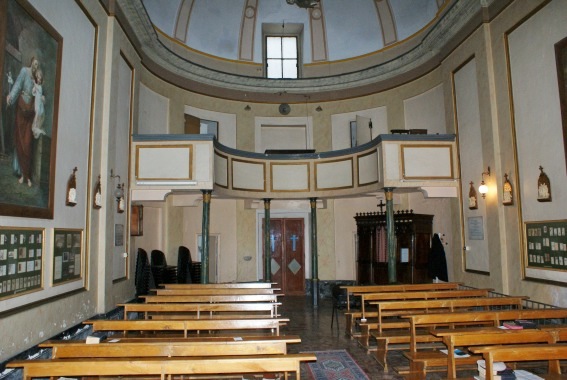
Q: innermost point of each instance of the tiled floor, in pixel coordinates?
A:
(313, 325)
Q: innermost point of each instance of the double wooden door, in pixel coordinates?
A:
(288, 254)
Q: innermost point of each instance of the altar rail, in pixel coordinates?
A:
(164, 163)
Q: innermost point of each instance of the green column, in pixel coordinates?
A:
(267, 246)
(205, 237)
(391, 235)
(314, 254)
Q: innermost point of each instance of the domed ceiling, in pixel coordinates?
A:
(348, 48)
(348, 28)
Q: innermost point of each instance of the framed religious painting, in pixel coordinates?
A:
(30, 60)
(561, 60)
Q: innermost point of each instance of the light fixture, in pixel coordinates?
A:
(71, 195)
(118, 193)
(483, 188)
(370, 124)
(318, 109)
(304, 3)
(247, 108)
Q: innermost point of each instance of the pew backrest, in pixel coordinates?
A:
(494, 318)
(425, 295)
(357, 290)
(214, 298)
(268, 345)
(231, 285)
(289, 363)
(188, 325)
(524, 352)
(213, 291)
(200, 309)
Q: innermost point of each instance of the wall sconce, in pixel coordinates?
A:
(318, 109)
(483, 188)
(97, 200)
(473, 200)
(508, 192)
(247, 108)
(543, 187)
(118, 193)
(71, 194)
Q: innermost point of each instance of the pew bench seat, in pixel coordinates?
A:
(65, 349)
(399, 337)
(163, 367)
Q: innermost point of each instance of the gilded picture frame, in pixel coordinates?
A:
(30, 60)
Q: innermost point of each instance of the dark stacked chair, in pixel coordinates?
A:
(163, 273)
(143, 279)
(184, 264)
(196, 272)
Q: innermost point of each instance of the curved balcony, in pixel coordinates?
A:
(187, 163)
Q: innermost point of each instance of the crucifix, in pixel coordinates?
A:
(381, 205)
(294, 239)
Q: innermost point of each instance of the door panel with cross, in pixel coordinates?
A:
(288, 256)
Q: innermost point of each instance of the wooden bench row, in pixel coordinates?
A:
(256, 326)
(163, 367)
(422, 361)
(168, 347)
(389, 312)
(525, 352)
(358, 290)
(200, 310)
(354, 316)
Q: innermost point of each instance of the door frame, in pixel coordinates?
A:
(283, 214)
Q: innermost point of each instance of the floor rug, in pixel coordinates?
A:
(335, 365)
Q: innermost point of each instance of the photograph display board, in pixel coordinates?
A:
(67, 255)
(21, 255)
(546, 244)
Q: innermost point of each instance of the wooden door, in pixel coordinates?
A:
(288, 256)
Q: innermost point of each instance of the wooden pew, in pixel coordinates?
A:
(214, 298)
(225, 285)
(420, 360)
(207, 346)
(357, 290)
(289, 363)
(200, 310)
(186, 326)
(352, 317)
(212, 291)
(525, 352)
(383, 331)
(453, 338)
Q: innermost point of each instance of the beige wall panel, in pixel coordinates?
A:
(153, 112)
(392, 163)
(426, 111)
(335, 174)
(221, 170)
(470, 147)
(202, 169)
(157, 163)
(247, 175)
(368, 171)
(427, 162)
(283, 137)
(290, 177)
